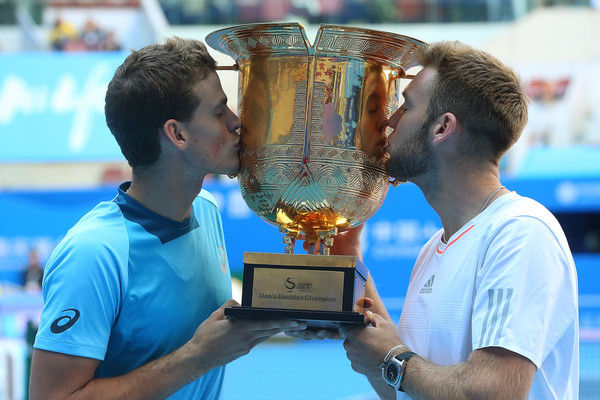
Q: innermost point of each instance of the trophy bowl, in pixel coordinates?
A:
(312, 161)
(314, 122)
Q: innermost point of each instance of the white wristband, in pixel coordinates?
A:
(390, 353)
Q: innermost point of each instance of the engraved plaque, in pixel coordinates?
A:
(322, 290)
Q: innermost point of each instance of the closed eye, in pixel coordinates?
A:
(219, 110)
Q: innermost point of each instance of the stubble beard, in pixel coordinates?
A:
(413, 159)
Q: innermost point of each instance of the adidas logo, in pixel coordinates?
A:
(428, 286)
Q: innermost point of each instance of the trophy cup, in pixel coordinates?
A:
(314, 136)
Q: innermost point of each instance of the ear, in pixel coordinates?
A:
(174, 133)
(444, 127)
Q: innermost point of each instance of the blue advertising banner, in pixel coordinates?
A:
(391, 239)
(52, 106)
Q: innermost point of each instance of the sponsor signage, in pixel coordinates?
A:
(52, 107)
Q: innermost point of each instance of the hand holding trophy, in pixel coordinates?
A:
(314, 137)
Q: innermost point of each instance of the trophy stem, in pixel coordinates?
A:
(323, 239)
(326, 240)
(289, 239)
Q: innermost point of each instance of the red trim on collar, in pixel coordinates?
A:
(442, 251)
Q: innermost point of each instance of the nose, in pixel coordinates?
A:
(395, 118)
(382, 124)
(234, 123)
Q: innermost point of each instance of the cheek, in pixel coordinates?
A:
(220, 150)
(217, 146)
(404, 129)
(216, 143)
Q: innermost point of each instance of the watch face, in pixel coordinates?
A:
(392, 372)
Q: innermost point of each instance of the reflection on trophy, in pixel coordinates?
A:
(314, 133)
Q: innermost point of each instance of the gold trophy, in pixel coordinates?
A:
(314, 135)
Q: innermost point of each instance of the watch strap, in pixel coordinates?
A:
(404, 357)
(407, 355)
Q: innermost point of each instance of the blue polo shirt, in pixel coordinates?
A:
(127, 286)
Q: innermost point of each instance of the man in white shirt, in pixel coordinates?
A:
(491, 311)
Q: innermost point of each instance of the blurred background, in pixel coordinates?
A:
(58, 159)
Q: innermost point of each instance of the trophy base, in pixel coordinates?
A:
(314, 319)
(320, 290)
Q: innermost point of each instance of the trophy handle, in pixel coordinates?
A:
(233, 67)
(395, 182)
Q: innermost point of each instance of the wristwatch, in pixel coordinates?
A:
(393, 370)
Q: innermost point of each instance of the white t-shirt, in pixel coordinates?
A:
(505, 279)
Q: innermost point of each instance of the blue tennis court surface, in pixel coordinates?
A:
(296, 369)
(319, 370)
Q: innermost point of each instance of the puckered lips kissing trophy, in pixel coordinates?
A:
(314, 132)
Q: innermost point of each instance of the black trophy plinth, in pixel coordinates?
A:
(321, 290)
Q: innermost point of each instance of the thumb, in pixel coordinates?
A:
(220, 312)
(230, 303)
(365, 302)
(374, 319)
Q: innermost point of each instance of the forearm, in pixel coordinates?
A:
(383, 390)
(153, 381)
(425, 380)
(487, 377)
(216, 342)
(63, 377)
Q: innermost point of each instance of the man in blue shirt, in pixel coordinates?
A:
(134, 295)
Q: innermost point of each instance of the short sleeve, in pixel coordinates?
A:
(82, 295)
(525, 291)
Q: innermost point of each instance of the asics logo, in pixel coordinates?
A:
(63, 323)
